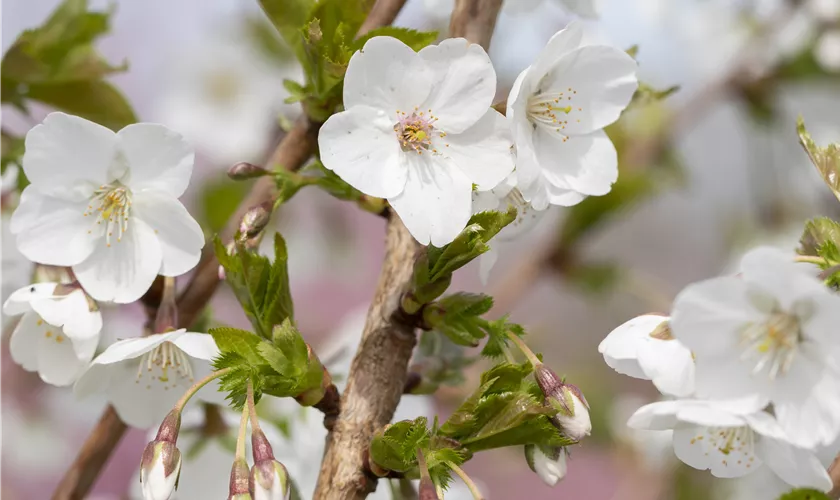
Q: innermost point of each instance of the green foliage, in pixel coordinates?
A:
(327, 180)
(262, 287)
(804, 494)
(826, 159)
(503, 412)
(458, 316)
(595, 277)
(438, 361)
(282, 367)
(288, 16)
(821, 239)
(497, 333)
(647, 94)
(11, 154)
(413, 38)
(58, 65)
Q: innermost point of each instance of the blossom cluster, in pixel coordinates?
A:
(748, 368)
(418, 129)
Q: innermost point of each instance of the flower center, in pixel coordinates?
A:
(736, 444)
(111, 206)
(416, 131)
(772, 344)
(552, 109)
(165, 364)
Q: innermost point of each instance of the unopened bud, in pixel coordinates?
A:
(239, 488)
(160, 466)
(255, 220)
(548, 462)
(312, 397)
(269, 479)
(572, 416)
(244, 170)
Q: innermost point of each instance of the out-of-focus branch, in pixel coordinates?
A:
(291, 153)
(379, 369)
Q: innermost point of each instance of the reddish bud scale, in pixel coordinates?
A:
(261, 447)
(244, 170)
(239, 478)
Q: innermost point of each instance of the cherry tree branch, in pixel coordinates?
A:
(291, 153)
(379, 369)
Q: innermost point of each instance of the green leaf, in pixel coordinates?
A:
(297, 92)
(458, 316)
(498, 339)
(826, 159)
(395, 448)
(413, 38)
(288, 16)
(262, 287)
(647, 94)
(805, 494)
(240, 342)
(95, 100)
(438, 361)
(817, 233)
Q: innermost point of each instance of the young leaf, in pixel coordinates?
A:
(826, 159)
(817, 233)
(261, 286)
(458, 316)
(497, 332)
(240, 342)
(395, 447)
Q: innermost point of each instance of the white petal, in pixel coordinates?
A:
(629, 367)
(602, 81)
(436, 202)
(483, 201)
(796, 466)
(197, 345)
(464, 83)
(586, 164)
(708, 414)
(541, 194)
(94, 380)
(483, 151)
(23, 346)
(560, 44)
(158, 158)
(669, 365)
(72, 312)
(181, 238)
(19, 301)
(124, 271)
(361, 146)
(820, 324)
(53, 231)
(583, 8)
(135, 347)
(703, 454)
(67, 154)
(386, 74)
(623, 341)
(658, 416)
(141, 405)
(58, 363)
(775, 272)
(807, 404)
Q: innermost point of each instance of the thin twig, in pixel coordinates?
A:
(379, 369)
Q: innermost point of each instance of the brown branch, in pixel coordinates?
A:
(379, 369)
(291, 153)
(81, 475)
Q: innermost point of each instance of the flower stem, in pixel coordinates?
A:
(525, 350)
(809, 259)
(167, 313)
(243, 429)
(252, 408)
(198, 385)
(508, 355)
(466, 479)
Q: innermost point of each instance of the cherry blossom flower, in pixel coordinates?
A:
(418, 130)
(557, 108)
(767, 332)
(143, 377)
(58, 332)
(548, 463)
(107, 204)
(645, 348)
(731, 439)
(501, 197)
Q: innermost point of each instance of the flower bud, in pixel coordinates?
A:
(239, 488)
(548, 462)
(160, 466)
(572, 416)
(255, 220)
(244, 170)
(269, 479)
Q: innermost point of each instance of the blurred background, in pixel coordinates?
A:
(706, 173)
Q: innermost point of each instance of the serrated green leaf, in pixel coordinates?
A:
(826, 159)
(458, 317)
(497, 333)
(817, 233)
(240, 342)
(805, 494)
(413, 38)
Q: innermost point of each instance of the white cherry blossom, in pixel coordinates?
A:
(58, 332)
(143, 377)
(106, 204)
(768, 332)
(731, 439)
(557, 109)
(504, 195)
(645, 348)
(418, 130)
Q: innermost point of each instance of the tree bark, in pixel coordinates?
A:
(379, 369)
